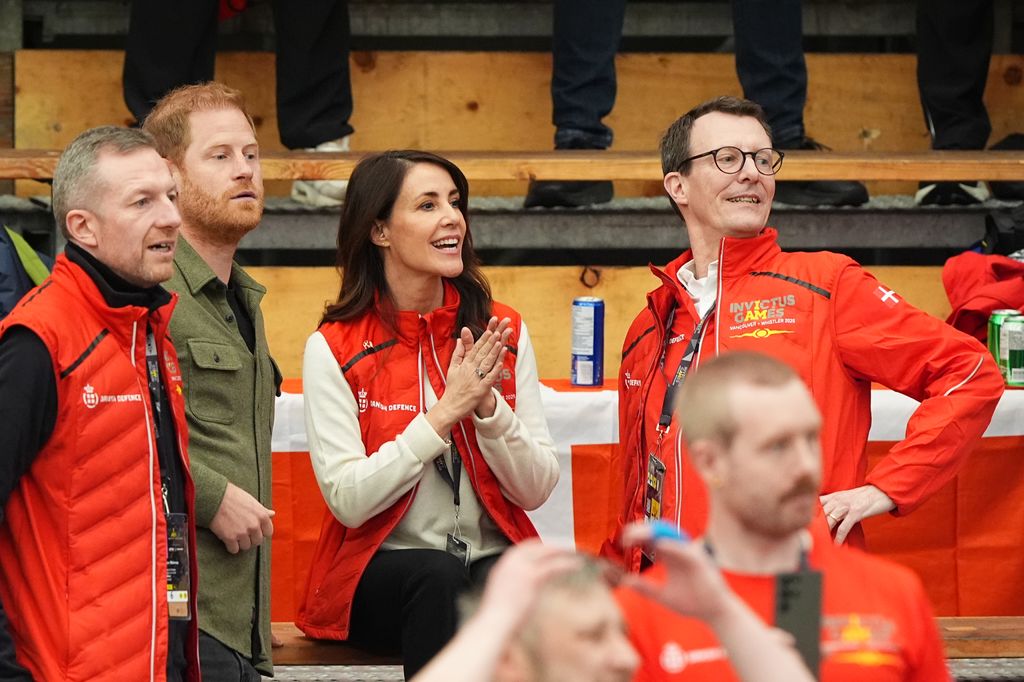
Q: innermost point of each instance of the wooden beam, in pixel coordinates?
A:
(609, 165)
(990, 637)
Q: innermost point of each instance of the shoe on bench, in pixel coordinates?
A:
(568, 193)
(818, 192)
(951, 193)
(322, 193)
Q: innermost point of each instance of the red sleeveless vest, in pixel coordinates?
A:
(83, 545)
(385, 374)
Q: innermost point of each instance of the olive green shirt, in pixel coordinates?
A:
(229, 403)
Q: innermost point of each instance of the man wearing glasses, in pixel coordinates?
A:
(838, 326)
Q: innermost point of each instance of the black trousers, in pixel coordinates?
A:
(769, 62)
(406, 602)
(174, 43)
(954, 46)
(220, 663)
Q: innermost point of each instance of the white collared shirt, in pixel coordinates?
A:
(702, 291)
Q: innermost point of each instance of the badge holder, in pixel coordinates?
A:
(454, 543)
(456, 546)
(178, 579)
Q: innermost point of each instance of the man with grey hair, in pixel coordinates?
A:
(97, 537)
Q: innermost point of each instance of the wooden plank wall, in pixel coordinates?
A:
(501, 101)
(543, 295)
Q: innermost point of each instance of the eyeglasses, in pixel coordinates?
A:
(730, 160)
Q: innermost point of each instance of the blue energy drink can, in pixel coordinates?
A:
(587, 341)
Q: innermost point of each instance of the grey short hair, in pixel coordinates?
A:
(75, 176)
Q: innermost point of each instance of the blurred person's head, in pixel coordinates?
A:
(113, 195)
(753, 434)
(209, 138)
(575, 633)
(716, 203)
(404, 221)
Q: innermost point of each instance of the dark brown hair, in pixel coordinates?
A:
(675, 143)
(372, 191)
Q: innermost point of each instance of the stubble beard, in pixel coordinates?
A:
(219, 220)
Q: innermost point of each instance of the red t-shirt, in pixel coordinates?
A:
(876, 625)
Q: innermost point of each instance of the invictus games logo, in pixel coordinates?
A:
(89, 397)
(363, 402)
(761, 309)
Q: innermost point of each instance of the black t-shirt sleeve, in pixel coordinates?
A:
(28, 412)
(28, 404)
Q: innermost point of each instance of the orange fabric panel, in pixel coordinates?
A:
(964, 542)
(595, 495)
(300, 511)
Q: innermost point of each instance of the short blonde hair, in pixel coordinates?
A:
(703, 407)
(168, 122)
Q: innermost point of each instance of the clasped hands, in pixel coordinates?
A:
(476, 366)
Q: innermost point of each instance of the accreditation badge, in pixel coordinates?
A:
(178, 579)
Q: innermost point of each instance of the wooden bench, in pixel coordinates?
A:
(608, 165)
(298, 649)
(994, 637)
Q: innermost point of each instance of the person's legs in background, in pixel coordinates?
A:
(314, 89)
(771, 68)
(169, 44)
(586, 40)
(954, 47)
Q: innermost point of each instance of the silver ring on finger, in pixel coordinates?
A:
(480, 373)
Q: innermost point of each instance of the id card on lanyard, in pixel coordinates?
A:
(454, 543)
(654, 489)
(178, 578)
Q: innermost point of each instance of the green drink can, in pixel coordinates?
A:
(995, 323)
(1011, 349)
(1015, 369)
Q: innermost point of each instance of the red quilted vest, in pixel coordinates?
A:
(384, 373)
(83, 545)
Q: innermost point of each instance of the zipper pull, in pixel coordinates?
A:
(167, 505)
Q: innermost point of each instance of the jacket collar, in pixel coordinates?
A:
(440, 321)
(197, 273)
(737, 256)
(119, 303)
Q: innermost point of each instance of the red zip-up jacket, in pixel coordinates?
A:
(841, 330)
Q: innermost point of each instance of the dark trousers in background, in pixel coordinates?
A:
(174, 43)
(769, 62)
(954, 46)
(219, 663)
(406, 601)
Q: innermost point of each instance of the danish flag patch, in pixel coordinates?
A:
(888, 296)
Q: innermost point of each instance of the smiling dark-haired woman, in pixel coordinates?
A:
(423, 411)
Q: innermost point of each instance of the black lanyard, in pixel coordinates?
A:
(452, 479)
(153, 374)
(684, 365)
